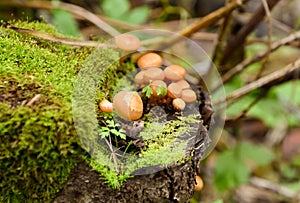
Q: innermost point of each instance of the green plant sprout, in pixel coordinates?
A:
(161, 90)
(148, 91)
(112, 128)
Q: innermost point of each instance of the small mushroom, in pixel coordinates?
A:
(150, 60)
(199, 184)
(154, 86)
(127, 42)
(188, 95)
(153, 74)
(174, 90)
(183, 84)
(178, 104)
(175, 72)
(139, 78)
(128, 105)
(106, 106)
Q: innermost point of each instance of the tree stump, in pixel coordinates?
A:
(173, 184)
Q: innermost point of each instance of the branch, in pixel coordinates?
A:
(239, 39)
(74, 9)
(265, 184)
(203, 22)
(277, 77)
(56, 39)
(274, 46)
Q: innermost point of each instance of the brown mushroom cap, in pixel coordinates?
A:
(150, 60)
(175, 72)
(178, 104)
(188, 95)
(183, 84)
(128, 105)
(139, 78)
(174, 90)
(127, 42)
(199, 184)
(154, 85)
(153, 74)
(106, 106)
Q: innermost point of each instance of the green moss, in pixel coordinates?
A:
(38, 143)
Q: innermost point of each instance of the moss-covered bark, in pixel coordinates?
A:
(38, 142)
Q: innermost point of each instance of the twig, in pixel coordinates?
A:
(224, 32)
(239, 39)
(274, 46)
(56, 39)
(203, 22)
(268, 20)
(247, 109)
(34, 99)
(74, 9)
(276, 77)
(266, 184)
(109, 144)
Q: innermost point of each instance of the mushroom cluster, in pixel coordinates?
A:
(171, 80)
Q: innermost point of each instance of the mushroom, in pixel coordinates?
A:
(175, 72)
(150, 60)
(188, 95)
(174, 90)
(153, 74)
(199, 184)
(139, 78)
(106, 106)
(154, 86)
(128, 105)
(178, 104)
(127, 42)
(183, 84)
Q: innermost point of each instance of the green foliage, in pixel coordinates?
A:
(148, 91)
(120, 10)
(64, 22)
(112, 128)
(38, 143)
(161, 90)
(112, 178)
(233, 166)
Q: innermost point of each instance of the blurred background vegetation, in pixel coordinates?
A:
(257, 158)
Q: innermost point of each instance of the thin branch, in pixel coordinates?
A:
(224, 32)
(279, 76)
(274, 46)
(203, 22)
(268, 20)
(74, 9)
(266, 184)
(56, 39)
(34, 100)
(241, 36)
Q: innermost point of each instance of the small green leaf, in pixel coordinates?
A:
(258, 154)
(148, 91)
(231, 171)
(115, 8)
(64, 22)
(161, 90)
(138, 15)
